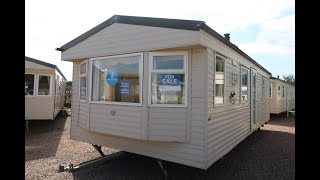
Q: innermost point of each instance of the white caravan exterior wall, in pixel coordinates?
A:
(60, 92)
(43, 107)
(281, 101)
(229, 124)
(190, 139)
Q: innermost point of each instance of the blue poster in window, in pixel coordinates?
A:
(112, 77)
(124, 87)
(169, 79)
(26, 84)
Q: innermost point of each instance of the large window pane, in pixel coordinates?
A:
(219, 64)
(44, 85)
(244, 84)
(167, 88)
(83, 88)
(219, 90)
(29, 84)
(117, 79)
(168, 62)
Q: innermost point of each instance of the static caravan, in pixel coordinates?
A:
(282, 96)
(44, 90)
(170, 89)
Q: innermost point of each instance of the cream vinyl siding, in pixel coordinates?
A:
(278, 102)
(273, 99)
(211, 42)
(197, 135)
(263, 111)
(229, 124)
(126, 38)
(60, 96)
(123, 132)
(39, 107)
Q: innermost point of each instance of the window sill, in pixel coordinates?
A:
(169, 105)
(116, 103)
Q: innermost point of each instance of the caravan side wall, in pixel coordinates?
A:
(59, 92)
(229, 124)
(92, 123)
(39, 107)
(283, 97)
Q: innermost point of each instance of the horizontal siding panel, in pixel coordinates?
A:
(217, 146)
(220, 137)
(39, 108)
(214, 157)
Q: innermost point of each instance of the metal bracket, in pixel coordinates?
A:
(164, 170)
(98, 148)
(72, 168)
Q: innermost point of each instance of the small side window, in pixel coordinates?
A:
(244, 84)
(83, 81)
(219, 80)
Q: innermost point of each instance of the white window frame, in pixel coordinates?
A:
(140, 79)
(224, 80)
(34, 85)
(83, 75)
(247, 69)
(171, 71)
(51, 84)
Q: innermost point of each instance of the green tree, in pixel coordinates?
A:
(290, 79)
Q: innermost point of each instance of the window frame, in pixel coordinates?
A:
(283, 90)
(140, 61)
(247, 69)
(34, 85)
(83, 75)
(171, 71)
(224, 80)
(50, 84)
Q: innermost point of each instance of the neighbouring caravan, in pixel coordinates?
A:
(170, 89)
(282, 96)
(44, 90)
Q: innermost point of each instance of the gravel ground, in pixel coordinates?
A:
(268, 153)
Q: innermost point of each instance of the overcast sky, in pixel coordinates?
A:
(263, 29)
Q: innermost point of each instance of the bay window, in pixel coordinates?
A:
(168, 79)
(117, 79)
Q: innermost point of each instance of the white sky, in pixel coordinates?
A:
(52, 23)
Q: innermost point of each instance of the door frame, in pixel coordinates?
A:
(253, 101)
